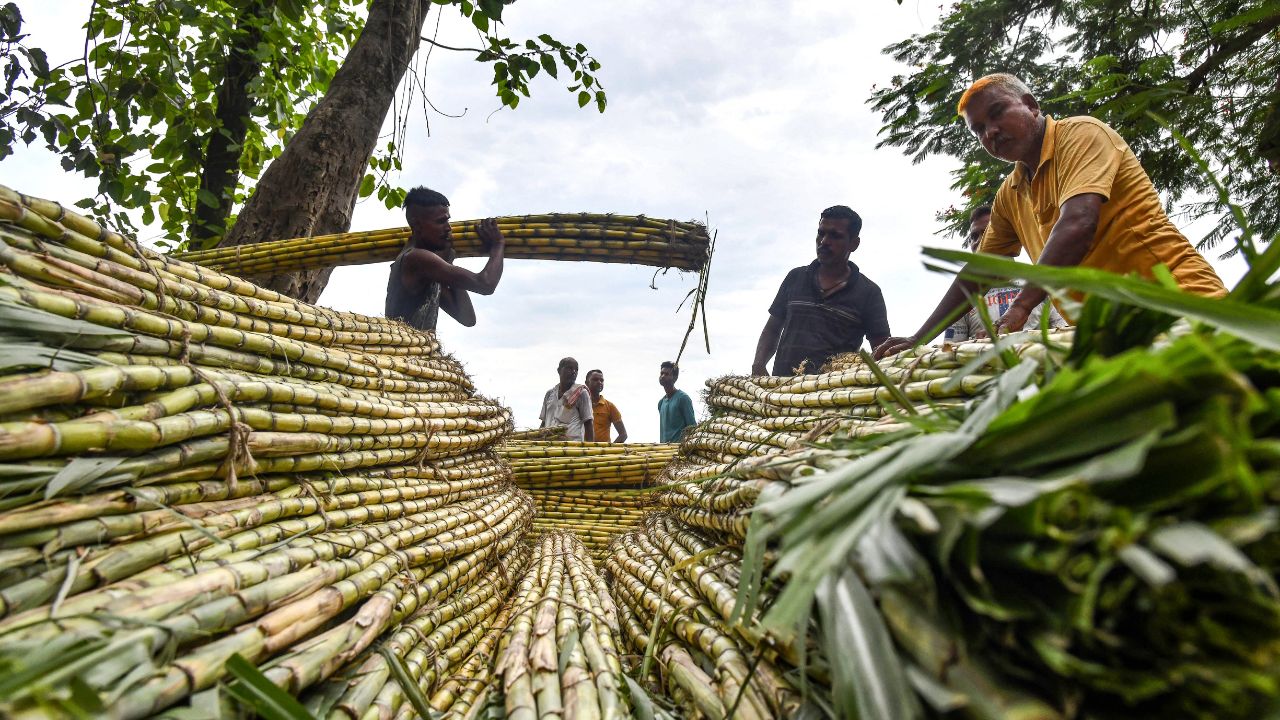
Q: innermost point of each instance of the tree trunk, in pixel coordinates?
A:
(221, 166)
(311, 188)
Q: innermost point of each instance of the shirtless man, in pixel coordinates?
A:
(423, 277)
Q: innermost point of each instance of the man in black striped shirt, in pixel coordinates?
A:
(825, 308)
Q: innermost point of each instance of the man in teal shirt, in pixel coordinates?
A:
(675, 409)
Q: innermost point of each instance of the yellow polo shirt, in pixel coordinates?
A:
(604, 413)
(1083, 155)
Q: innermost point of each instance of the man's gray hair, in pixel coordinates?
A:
(1010, 83)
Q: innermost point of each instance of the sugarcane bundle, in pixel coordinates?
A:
(538, 464)
(195, 470)
(762, 416)
(594, 490)
(554, 432)
(1105, 547)
(599, 238)
(557, 651)
(1026, 344)
(577, 475)
(675, 588)
(851, 386)
(435, 647)
(594, 516)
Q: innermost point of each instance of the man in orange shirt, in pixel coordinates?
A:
(604, 412)
(1077, 196)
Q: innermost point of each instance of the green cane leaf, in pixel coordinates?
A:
(1256, 323)
(868, 678)
(254, 690)
(408, 685)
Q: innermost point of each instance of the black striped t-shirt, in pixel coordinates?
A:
(816, 328)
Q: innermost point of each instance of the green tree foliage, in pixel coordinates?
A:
(1210, 68)
(177, 106)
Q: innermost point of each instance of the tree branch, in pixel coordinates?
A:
(220, 173)
(442, 46)
(1196, 78)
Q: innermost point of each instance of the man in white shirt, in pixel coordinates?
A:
(998, 299)
(569, 404)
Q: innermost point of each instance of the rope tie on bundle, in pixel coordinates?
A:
(422, 462)
(237, 434)
(161, 296)
(310, 490)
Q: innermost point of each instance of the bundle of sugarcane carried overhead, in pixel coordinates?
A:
(608, 238)
(424, 280)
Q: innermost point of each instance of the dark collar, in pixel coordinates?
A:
(811, 278)
(813, 269)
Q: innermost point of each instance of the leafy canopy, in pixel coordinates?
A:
(139, 110)
(1210, 68)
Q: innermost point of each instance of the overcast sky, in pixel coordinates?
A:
(750, 114)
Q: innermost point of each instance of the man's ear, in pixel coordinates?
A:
(1030, 101)
(854, 243)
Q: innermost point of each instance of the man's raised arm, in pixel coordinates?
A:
(455, 281)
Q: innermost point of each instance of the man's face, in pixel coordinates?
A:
(834, 243)
(568, 370)
(977, 226)
(666, 378)
(595, 383)
(430, 224)
(1006, 125)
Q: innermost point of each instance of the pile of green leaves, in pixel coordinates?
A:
(1098, 536)
(1118, 531)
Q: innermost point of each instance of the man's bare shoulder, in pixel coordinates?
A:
(423, 255)
(426, 263)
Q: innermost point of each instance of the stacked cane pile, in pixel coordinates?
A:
(194, 468)
(635, 240)
(1085, 537)
(759, 416)
(556, 644)
(594, 490)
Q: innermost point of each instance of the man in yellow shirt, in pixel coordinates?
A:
(604, 412)
(1077, 196)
